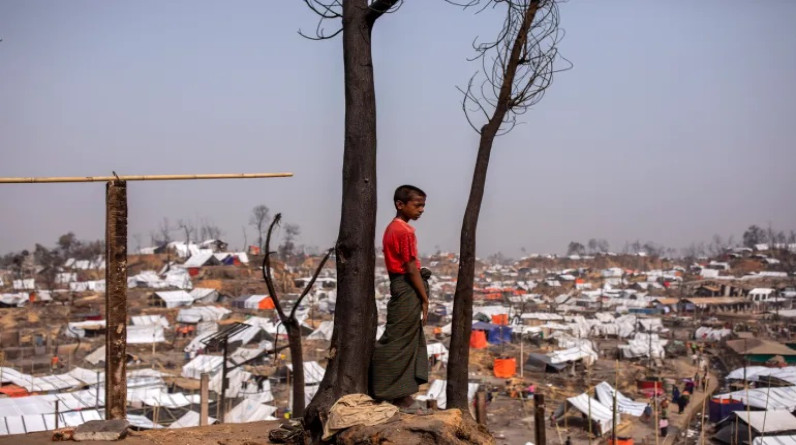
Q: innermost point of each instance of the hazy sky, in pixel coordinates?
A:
(676, 122)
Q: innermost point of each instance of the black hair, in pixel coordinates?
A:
(404, 193)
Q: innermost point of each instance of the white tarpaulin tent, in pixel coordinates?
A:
(145, 334)
(197, 314)
(313, 372)
(583, 352)
(189, 419)
(766, 398)
(173, 298)
(438, 349)
(143, 320)
(706, 333)
(236, 378)
(775, 440)
(77, 329)
(250, 410)
(624, 404)
(200, 364)
(753, 373)
(642, 345)
(171, 400)
(47, 383)
(600, 413)
(436, 391)
(771, 421)
(322, 332)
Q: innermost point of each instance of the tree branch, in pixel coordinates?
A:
(309, 285)
(381, 7)
(266, 268)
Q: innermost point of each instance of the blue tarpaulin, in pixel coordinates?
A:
(495, 333)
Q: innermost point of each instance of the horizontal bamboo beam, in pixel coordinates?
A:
(142, 178)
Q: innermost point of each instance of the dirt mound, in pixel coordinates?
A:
(443, 427)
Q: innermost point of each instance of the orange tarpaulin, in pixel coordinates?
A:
(500, 319)
(478, 339)
(14, 391)
(505, 367)
(266, 303)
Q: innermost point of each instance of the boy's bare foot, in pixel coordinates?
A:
(404, 402)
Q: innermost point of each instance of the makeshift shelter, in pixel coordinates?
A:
(600, 415)
(197, 314)
(253, 302)
(201, 259)
(760, 351)
(204, 295)
(495, 334)
(735, 429)
(505, 367)
(765, 398)
(145, 334)
(542, 363)
(438, 350)
(322, 332)
(201, 364)
(764, 373)
(190, 419)
(719, 409)
(170, 299)
(250, 410)
(478, 339)
(143, 320)
(313, 372)
(436, 391)
(775, 440)
(625, 405)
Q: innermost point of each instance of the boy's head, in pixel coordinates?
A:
(409, 201)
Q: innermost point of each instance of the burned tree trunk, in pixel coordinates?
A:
(522, 59)
(297, 360)
(354, 331)
(289, 321)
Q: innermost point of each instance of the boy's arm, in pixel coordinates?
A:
(417, 282)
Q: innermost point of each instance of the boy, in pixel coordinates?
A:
(400, 359)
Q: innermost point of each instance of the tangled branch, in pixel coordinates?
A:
(517, 66)
(333, 9)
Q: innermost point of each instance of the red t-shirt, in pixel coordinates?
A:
(400, 246)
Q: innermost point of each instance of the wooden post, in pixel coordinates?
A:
(224, 383)
(116, 300)
(204, 394)
(480, 407)
(538, 419)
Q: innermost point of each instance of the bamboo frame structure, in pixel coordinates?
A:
(53, 179)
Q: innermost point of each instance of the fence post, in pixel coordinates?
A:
(116, 300)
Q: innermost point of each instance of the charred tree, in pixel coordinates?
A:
(289, 321)
(517, 69)
(355, 315)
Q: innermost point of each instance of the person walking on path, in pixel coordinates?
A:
(400, 358)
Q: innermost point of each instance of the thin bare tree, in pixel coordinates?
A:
(259, 220)
(289, 321)
(355, 316)
(517, 67)
(188, 229)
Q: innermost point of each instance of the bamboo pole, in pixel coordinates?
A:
(51, 179)
(702, 414)
(616, 392)
(655, 410)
